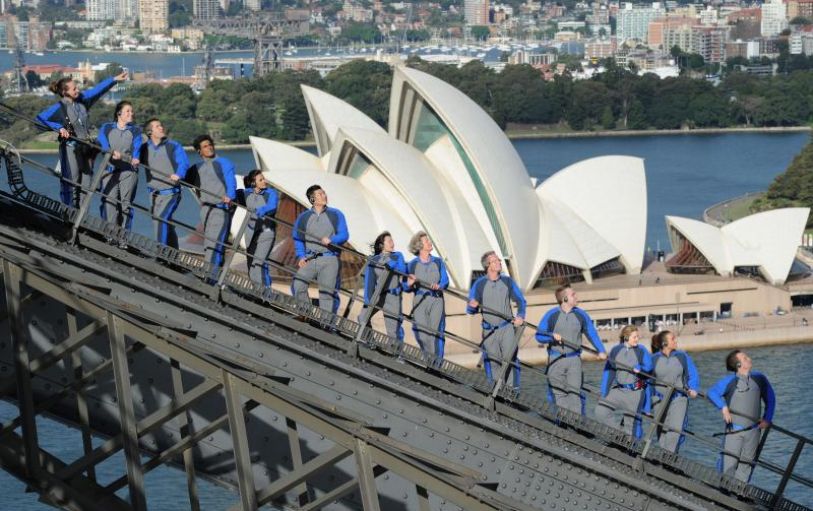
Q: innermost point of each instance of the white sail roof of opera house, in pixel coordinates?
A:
(767, 241)
(445, 167)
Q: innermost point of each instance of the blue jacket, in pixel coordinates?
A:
(56, 117)
(608, 378)
(271, 200)
(104, 140)
(720, 394)
(396, 262)
(476, 293)
(341, 235)
(177, 157)
(444, 277)
(691, 378)
(544, 331)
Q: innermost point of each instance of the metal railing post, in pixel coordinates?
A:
(787, 473)
(506, 363)
(369, 310)
(650, 435)
(234, 246)
(88, 197)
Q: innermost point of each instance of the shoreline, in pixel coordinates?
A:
(531, 135)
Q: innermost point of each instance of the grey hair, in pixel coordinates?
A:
(415, 243)
(484, 259)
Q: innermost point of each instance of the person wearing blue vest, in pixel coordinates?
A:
(492, 295)
(739, 396)
(427, 279)
(69, 117)
(165, 164)
(675, 368)
(118, 185)
(623, 388)
(261, 203)
(384, 259)
(317, 234)
(218, 191)
(561, 329)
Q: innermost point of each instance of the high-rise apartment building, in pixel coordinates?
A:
(153, 16)
(206, 9)
(102, 10)
(476, 12)
(774, 18)
(633, 21)
(252, 5)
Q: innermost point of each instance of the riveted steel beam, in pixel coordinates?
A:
(242, 460)
(184, 422)
(129, 431)
(12, 276)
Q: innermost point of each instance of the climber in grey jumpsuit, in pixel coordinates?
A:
(739, 396)
(623, 387)
(673, 367)
(218, 190)
(261, 203)
(165, 164)
(118, 184)
(561, 329)
(427, 279)
(317, 233)
(492, 295)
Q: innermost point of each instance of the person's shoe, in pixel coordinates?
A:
(123, 245)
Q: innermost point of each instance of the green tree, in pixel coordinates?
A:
(480, 32)
(365, 85)
(607, 118)
(794, 187)
(112, 69)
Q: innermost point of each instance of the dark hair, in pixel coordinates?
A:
(58, 86)
(310, 193)
(560, 293)
(658, 340)
(732, 363)
(378, 244)
(201, 139)
(248, 180)
(119, 107)
(147, 127)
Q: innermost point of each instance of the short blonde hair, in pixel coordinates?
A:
(416, 243)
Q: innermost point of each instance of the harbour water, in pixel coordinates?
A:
(685, 174)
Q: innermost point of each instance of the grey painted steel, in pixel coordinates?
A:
(420, 429)
(19, 340)
(237, 428)
(124, 396)
(183, 425)
(366, 478)
(87, 198)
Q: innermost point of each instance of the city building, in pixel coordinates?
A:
(102, 10)
(445, 167)
(475, 12)
(253, 5)
(153, 16)
(774, 18)
(31, 35)
(600, 49)
(664, 33)
(206, 9)
(744, 49)
(751, 245)
(709, 42)
(633, 20)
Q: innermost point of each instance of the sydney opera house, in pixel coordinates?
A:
(445, 167)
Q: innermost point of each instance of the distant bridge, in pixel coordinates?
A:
(281, 401)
